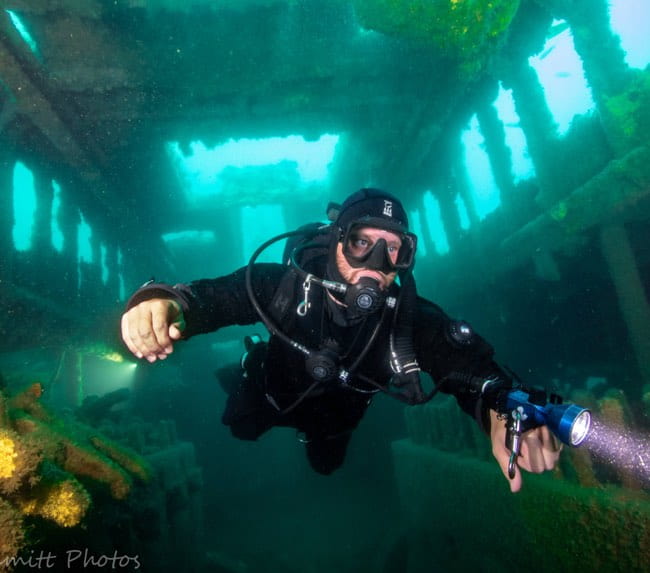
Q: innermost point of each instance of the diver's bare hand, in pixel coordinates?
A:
(540, 450)
(150, 328)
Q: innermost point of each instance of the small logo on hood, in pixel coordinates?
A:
(388, 208)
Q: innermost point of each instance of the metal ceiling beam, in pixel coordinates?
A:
(21, 77)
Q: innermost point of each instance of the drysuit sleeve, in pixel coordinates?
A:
(456, 358)
(210, 304)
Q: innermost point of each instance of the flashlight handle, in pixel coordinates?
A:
(513, 441)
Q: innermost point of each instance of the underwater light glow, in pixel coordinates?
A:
(434, 221)
(113, 357)
(203, 168)
(623, 449)
(102, 374)
(103, 254)
(561, 74)
(190, 235)
(630, 20)
(84, 247)
(57, 233)
(462, 213)
(84, 234)
(580, 428)
(120, 275)
(522, 165)
(479, 171)
(23, 31)
(24, 202)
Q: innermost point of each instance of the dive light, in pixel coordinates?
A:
(525, 409)
(528, 409)
(569, 422)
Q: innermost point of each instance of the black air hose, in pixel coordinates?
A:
(402, 351)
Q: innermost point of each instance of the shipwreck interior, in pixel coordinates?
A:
(168, 138)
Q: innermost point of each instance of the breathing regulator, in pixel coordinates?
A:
(368, 208)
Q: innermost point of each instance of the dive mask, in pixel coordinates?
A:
(361, 250)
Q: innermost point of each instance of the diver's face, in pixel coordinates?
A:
(362, 242)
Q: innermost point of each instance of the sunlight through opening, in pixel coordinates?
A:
(248, 171)
(560, 72)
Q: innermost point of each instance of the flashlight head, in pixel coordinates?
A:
(569, 422)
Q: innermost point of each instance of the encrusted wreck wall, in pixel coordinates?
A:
(99, 494)
(460, 515)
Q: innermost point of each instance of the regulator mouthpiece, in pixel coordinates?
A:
(365, 296)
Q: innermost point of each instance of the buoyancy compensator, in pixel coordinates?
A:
(324, 363)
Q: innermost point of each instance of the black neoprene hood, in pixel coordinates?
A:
(373, 207)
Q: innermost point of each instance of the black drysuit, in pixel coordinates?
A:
(277, 377)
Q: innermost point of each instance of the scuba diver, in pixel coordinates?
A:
(345, 322)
